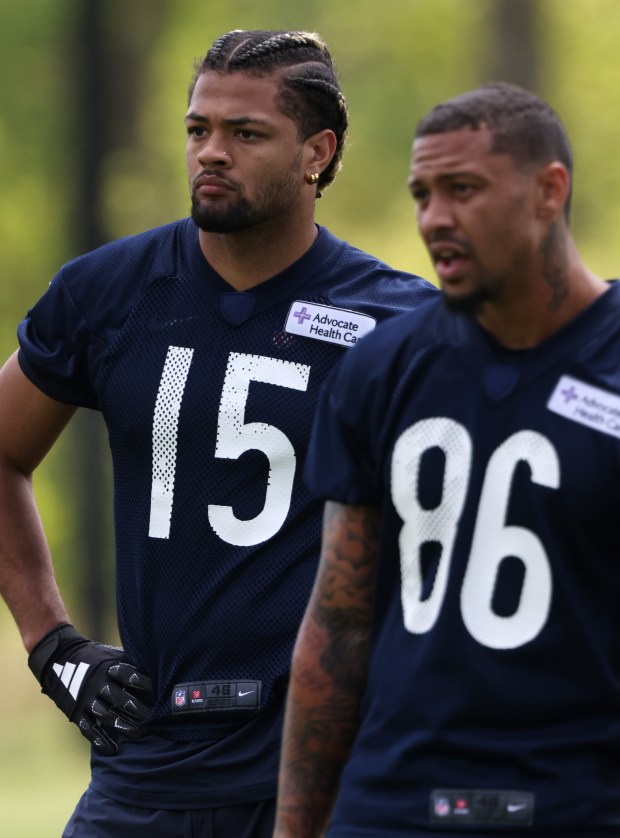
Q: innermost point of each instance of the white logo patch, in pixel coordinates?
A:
(580, 402)
(335, 325)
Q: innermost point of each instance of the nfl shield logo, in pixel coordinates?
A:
(180, 698)
(442, 807)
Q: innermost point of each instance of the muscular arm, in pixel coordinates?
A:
(330, 663)
(30, 423)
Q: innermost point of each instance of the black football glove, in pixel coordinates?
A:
(93, 685)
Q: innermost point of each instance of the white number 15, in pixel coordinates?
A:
(234, 437)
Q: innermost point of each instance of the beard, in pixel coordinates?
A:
(231, 219)
(492, 286)
(470, 304)
(272, 200)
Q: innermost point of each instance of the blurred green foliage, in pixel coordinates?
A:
(396, 59)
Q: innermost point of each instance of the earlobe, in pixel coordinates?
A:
(553, 183)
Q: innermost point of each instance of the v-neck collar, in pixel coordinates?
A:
(238, 306)
(504, 370)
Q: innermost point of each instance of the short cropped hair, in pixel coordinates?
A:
(522, 124)
(310, 92)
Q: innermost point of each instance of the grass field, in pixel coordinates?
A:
(43, 759)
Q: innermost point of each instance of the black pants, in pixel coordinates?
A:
(97, 816)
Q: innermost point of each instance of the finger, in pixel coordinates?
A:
(107, 718)
(123, 702)
(129, 676)
(100, 740)
(103, 743)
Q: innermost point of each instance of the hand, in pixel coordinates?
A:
(93, 685)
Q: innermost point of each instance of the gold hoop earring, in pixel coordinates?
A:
(312, 178)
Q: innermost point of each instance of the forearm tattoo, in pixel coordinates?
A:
(329, 673)
(345, 593)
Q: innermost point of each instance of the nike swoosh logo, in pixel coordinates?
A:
(515, 807)
(241, 694)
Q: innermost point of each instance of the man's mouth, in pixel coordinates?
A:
(211, 185)
(449, 261)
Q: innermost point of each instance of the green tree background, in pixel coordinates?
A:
(396, 59)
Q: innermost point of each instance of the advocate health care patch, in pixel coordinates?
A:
(334, 325)
(590, 406)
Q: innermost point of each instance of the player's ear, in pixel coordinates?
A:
(319, 150)
(552, 190)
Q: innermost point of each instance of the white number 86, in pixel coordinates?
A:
(492, 540)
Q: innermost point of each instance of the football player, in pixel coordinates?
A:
(457, 670)
(204, 344)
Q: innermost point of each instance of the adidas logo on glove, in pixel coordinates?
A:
(71, 675)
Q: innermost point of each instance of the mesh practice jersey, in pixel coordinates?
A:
(208, 395)
(493, 698)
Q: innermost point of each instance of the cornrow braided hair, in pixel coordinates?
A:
(310, 92)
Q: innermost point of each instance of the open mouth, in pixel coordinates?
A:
(449, 262)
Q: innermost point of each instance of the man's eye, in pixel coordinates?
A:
(245, 134)
(195, 130)
(462, 188)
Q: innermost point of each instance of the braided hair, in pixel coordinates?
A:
(309, 93)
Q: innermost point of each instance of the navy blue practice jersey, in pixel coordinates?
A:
(208, 395)
(493, 698)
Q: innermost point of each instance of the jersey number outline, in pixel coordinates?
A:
(493, 540)
(234, 437)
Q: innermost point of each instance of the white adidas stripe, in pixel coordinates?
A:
(72, 676)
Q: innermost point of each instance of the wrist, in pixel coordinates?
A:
(32, 632)
(44, 650)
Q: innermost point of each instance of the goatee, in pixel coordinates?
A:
(232, 220)
(470, 304)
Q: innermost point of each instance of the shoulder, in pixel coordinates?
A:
(105, 283)
(351, 260)
(358, 276)
(151, 251)
(383, 355)
(93, 293)
(426, 324)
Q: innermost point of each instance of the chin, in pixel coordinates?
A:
(466, 303)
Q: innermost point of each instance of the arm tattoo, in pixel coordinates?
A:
(345, 592)
(329, 669)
